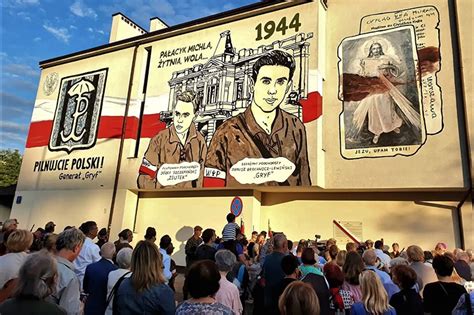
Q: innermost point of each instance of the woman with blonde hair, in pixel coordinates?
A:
(145, 292)
(299, 298)
(374, 297)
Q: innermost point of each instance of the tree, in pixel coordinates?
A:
(10, 163)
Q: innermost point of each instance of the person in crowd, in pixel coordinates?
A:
(369, 244)
(440, 297)
(351, 247)
(440, 248)
(370, 260)
(462, 265)
(192, 245)
(8, 226)
(228, 293)
(50, 243)
(252, 241)
(124, 258)
(90, 253)
(353, 267)
(471, 261)
(425, 274)
(289, 264)
(273, 273)
(207, 250)
(341, 300)
(95, 281)
(145, 292)
(332, 252)
(341, 258)
(202, 282)
(408, 300)
(308, 262)
(231, 229)
(325, 254)
(384, 258)
(428, 255)
(37, 240)
(299, 298)
(174, 274)
(395, 250)
(36, 281)
(68, 289)
(49, 228)
(398, 261)
(258, 245)
(290, 247)
(18, 243)
(318, 283)
(150, 234)
(103, 237)
(374, 297)
(125, 238)
(165, 243)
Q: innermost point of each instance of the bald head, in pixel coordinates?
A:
(107, 250)
(369, 257)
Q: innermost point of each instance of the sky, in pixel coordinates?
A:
(36, 30)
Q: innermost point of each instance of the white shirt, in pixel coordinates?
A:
(67, 293)
(167, 264)
(384, 258)
(114, 276)
(10, 265)
(90, 253)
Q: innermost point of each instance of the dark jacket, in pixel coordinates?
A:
(95, 285)
(320, 285)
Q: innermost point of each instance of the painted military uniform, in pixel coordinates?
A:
(165, 148)
(240, 137)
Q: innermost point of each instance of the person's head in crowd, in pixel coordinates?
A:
(19, 241)
(440, 248)
(395, 247)
(260, 239)
(209, 236)
(378, 244)
(297, 299)
(280, 243)
(330, 242)
(443, 266)
(90, 229)
(450, 255)
(299, 249)
(352, 268)
(37, 277)
(264, 233)
(50, 243)
(289, 265)
(254, 236)
(197, 232)
(369, 257)
(230, 218)
(374, 296)
(469, 253)
(225, 260)
(334, 275)
(170, 249)
(307, 257)
(404, 255)
(126, 236)
(146, 266)
(10, 225)
(351, 247)
(124, 258)
(428, 255)
(333, 250)
(398, 261)
(403, 276)
(107, 250)
(102, 235)
(456, 251)
(49, 227)
(290, 246)
(463, 256)
(240, 237)
(369, 244)
(69, 243)
(203, 279)
(150, 234)
(415, 254)
(68, 227)
(38, 233)
(165, 242)
(386, 249)
(341, 258)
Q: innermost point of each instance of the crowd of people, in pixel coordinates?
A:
(79, 271)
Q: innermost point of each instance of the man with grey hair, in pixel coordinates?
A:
(123, 259)
(67, 295)
(95, 280)
(370, 260)
(273, 272)
(425, 274)
(228, 293)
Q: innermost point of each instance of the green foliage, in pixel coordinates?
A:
(10, 163)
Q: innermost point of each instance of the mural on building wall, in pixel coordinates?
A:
(78, 111)
(383, 113)
(244, 115)
(388, 79)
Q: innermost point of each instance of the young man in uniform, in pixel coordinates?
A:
(181, 142)
(264, 130)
